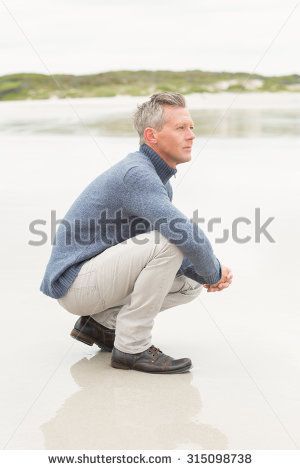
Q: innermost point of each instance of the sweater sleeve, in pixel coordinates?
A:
(145, 196)
(188, 270)
(169, 190)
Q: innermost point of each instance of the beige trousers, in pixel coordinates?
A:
(127, 285)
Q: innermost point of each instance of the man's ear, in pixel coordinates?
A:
(150, 135)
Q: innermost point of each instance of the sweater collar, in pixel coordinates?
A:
(163, 170)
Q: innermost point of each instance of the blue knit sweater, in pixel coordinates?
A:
(133, 196)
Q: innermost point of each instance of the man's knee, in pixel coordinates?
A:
(160, 240)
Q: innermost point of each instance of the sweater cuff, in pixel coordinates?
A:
(214, 278)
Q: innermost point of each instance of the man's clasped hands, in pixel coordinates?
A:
(224, 282)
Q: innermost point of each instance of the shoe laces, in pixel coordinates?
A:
(154, 351)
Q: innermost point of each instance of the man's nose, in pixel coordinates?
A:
(190, 135)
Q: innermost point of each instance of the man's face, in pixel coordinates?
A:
(174, 141)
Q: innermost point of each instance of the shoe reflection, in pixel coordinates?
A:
(117, 409)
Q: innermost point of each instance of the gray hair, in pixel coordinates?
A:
(151, 113)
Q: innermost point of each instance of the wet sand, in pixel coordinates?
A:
(243, 390)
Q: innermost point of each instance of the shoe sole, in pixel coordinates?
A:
(118, 365)
(89, 340)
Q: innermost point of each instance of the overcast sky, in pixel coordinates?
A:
(90, 36)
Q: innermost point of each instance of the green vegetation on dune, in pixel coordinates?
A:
(138, 83)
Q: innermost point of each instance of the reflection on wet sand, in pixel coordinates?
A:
(117, 409)
(253, 115)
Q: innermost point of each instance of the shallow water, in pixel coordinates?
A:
(110, 117)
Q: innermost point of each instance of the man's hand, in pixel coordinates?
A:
(224, 282)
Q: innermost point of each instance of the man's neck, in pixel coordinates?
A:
(168, 161)
(164, 171)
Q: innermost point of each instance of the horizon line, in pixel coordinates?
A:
(148, 70)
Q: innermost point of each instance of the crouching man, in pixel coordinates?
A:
(124, 252)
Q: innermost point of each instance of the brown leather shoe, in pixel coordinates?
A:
(152, 360)
(87, 330)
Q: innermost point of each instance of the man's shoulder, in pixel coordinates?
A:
(136, 159)
(139, 172)
(136, 164)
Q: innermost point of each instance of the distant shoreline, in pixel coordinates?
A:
(27, 86)
(125, 104)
